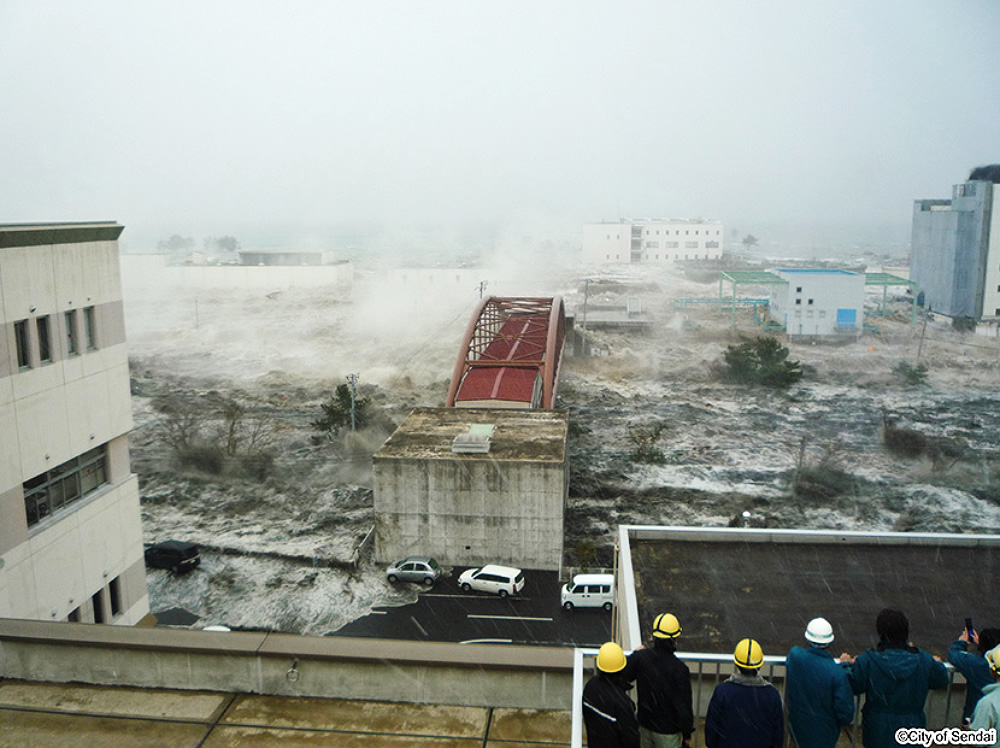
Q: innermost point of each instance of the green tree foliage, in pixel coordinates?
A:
(910, 374)
(337, 412)
(761, 361)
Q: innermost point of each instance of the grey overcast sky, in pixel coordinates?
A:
(212, 118)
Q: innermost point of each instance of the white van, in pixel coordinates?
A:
(499, 580)
(589, 591)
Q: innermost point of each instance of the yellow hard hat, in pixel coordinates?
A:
(993, 658)
(665, 626)
(610, 658)
(748, 654)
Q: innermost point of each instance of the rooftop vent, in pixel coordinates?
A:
(475, 441)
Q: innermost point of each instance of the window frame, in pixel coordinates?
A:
(43, 328)
(22, 342)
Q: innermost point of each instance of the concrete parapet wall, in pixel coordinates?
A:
(288, 665)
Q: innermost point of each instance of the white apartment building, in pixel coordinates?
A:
(819, 301)
(70, 531)
(652, 240)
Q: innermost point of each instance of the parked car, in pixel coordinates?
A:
(589, 591)
(173, 554)
(421, 569)
(499, 580)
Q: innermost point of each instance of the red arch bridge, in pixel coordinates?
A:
(510, 355)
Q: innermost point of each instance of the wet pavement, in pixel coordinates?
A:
(445, 613)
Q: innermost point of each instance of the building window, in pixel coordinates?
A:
(822, 313)
(44, 347)
(711, 245)
(74, 616)
(115, 590)
(21, 341)
(652, 245)
(810, 302)
(798, 289)
(809, 314)
(71, 346)
(64, 484)
(98, 601)
(671, 245)
(89, 328)
(798, 301)
(690, 245)
(798, 312)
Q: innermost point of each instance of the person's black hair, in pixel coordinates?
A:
(988, 638)
(893, 627)
(665, 644)
(749, 671)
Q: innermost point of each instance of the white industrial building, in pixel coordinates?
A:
(819, 301)
(70, 531)
(652, 240)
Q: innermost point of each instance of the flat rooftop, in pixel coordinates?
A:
(520, 435)
(727, 584)
(75, 714)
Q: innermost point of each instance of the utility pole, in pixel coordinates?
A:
(923, 332)
(353, 380)
(482, 288)
(586, 293)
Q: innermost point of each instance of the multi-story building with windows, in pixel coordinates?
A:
(652, 240)
(70, 531)
(955, 251)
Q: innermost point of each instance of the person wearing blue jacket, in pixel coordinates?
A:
(895, 678)
(818, 695)
(973, 665)
(745, 711)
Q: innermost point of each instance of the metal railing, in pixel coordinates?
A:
(708, 670)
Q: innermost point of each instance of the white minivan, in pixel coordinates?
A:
(499, 580)
(589, 591)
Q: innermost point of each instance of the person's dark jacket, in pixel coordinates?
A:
(664, 685)
(609, 713)
(974, 669)
(745, 712)
(895, 683)
(818, 697)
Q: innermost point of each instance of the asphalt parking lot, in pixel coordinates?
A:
(445, 613)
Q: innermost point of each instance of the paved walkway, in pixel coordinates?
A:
(52, 715)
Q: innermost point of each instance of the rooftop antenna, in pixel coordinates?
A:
(353, 380)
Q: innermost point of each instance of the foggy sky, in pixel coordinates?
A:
(212, 118)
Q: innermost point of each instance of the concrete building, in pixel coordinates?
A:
(501, 503)
(819, 301)
(955, 254)
(652, 240)
(70, 532)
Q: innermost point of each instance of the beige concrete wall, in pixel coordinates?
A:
(14, 527)
(62, 564)
(470, 512)
(281, 664)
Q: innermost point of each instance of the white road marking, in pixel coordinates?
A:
(509, 618)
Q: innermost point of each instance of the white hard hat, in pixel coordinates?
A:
(819, 631)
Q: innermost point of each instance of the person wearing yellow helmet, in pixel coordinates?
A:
(817, 692)
(745, 711)
(987, 713)
(666, 719)
(608, 712)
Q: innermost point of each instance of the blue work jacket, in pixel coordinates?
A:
(818, 697)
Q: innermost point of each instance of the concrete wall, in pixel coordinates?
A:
(471, 512)
(289, 665)
(991, 290)
(150, 272)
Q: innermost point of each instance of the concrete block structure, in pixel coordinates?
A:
(819, 301)
(70, 531)
(502, 506)
(656, 240)
(955, 252)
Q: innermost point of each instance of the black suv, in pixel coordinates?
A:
(173, 554)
